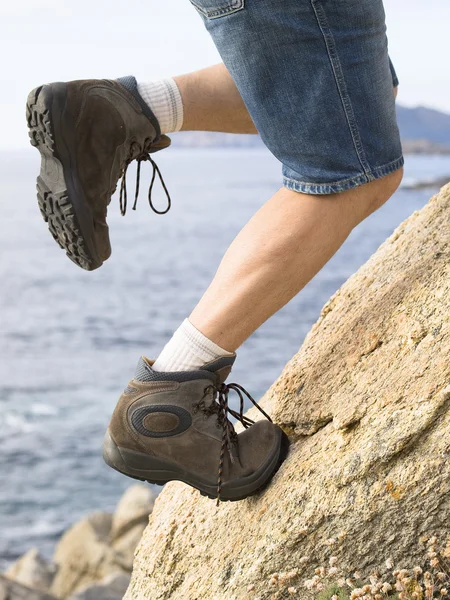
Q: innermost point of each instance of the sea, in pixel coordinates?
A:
(70, 339)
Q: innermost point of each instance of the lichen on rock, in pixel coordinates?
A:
(366, 403)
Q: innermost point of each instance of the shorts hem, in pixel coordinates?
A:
(344, 184)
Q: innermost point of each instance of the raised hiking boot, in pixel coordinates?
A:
(175, 426)
(88, 132)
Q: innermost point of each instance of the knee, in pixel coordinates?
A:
(382, 189)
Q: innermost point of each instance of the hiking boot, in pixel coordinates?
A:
(88, 132)
(175, 426)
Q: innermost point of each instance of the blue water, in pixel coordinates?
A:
(69, 340)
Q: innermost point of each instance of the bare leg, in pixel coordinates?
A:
(211, 102)
(275, 255)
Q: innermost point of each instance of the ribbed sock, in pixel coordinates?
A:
(164, 99)
(188, 350)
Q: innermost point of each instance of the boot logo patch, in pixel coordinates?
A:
(160, 420)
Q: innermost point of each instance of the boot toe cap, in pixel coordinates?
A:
(259, 444)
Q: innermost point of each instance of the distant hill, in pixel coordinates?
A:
(423, 130)
(423, 123)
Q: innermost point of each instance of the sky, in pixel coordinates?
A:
(59, 40)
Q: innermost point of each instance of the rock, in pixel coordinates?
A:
(133, 509)
(33, 571)
(366, 405)
(130, 520)
(11, 590)
(126, 545)
(111, 588)
(84, 555)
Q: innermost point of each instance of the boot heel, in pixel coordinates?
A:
(113, 458)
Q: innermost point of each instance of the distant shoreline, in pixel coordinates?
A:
(422, 185)
(210, 140)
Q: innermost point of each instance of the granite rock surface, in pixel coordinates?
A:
(365, 403)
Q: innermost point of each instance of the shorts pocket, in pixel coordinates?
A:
(213, 9)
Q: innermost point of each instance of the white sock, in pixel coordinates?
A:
(164, 99)
(188, 350)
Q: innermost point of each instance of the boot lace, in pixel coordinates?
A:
(219, 406)
(141, 153)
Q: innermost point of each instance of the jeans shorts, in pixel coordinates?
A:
(317, 80)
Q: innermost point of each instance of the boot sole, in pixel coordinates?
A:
(61, 200)
(159, 471)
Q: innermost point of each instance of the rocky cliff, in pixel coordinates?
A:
(366, 405)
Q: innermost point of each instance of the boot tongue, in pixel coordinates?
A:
(220, 367)
(129, 82)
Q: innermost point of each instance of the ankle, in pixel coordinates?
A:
(188, 350)
(164, 99)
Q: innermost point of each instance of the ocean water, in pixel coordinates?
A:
(69, 340)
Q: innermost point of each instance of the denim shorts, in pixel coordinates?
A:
(317, 80)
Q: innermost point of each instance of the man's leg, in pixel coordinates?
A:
(275, 255)
(212, 102)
